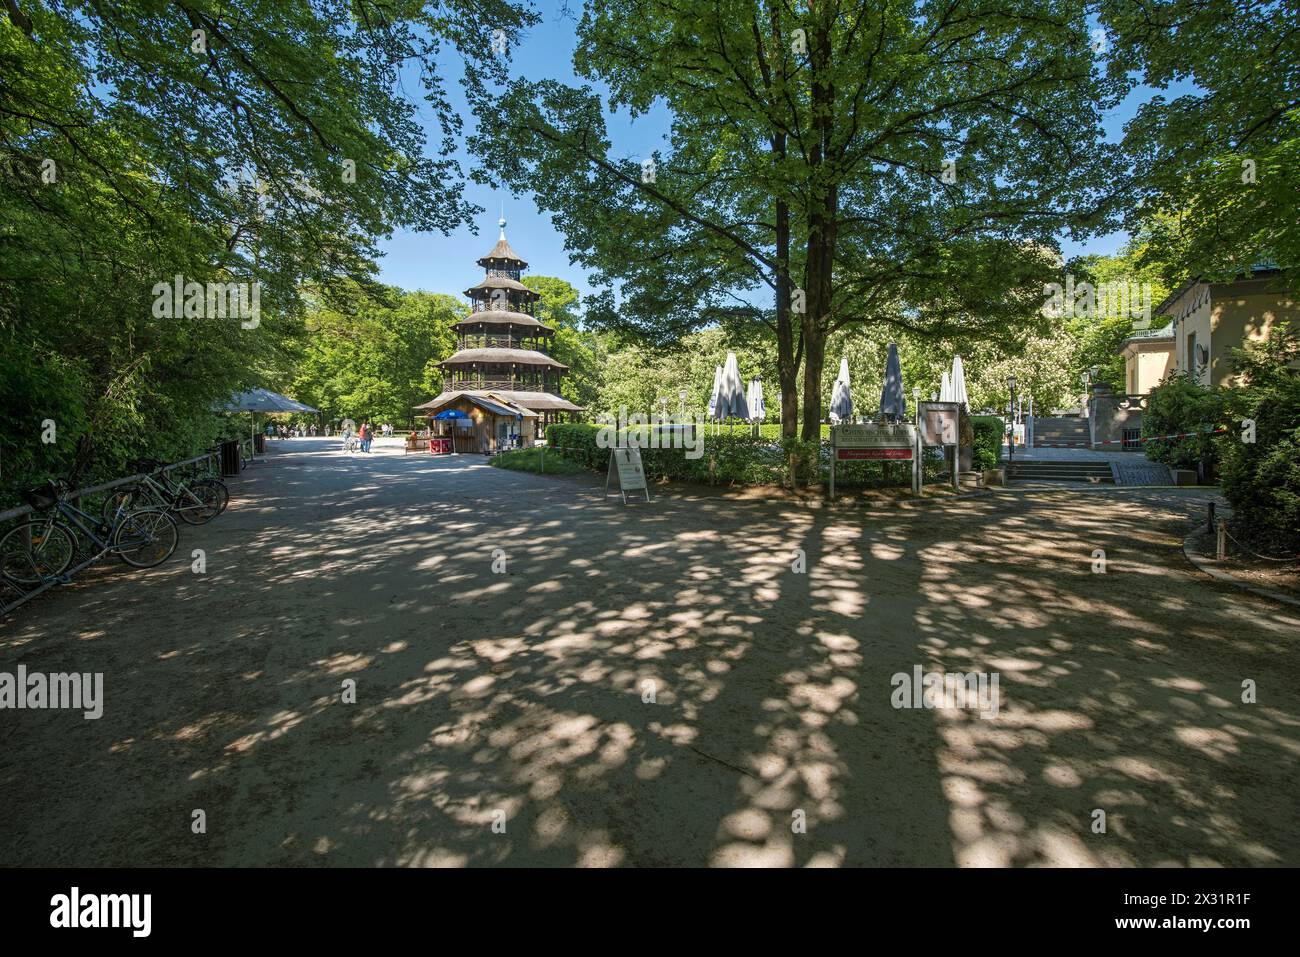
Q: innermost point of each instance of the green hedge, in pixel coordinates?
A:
(1179, 405)
(738, 458)
(772, 431)
(730, 457)
(989, 431)
(1261, 479)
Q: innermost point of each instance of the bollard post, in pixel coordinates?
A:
(1221, 541)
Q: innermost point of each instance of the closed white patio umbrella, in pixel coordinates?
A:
(717, 384)
(841, 396)
(757, 405)
(959, 382)
(893, 402)
(731, 392)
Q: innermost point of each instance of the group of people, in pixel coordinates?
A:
(361, 438)
(283, 431)
(364, 437)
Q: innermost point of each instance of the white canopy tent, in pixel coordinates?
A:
(262, 400)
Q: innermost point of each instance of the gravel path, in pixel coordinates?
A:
(653, 685)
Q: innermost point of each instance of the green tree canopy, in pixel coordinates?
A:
(376, 356)
(140, 141)
(807, 161)
(1217, 169)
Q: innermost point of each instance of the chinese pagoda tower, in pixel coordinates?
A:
(502, 350)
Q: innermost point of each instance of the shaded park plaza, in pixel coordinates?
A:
(524, 691)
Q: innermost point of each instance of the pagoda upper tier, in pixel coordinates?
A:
(503, 257)
(501, 344)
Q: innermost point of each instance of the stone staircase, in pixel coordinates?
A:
(1061, 431)
(1029, 470)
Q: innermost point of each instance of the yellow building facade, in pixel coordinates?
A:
(1205, 321)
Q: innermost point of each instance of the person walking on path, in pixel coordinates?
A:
(366, 436)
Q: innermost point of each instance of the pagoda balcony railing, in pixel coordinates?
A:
(471, 341)
(482, 383)
(501, 303)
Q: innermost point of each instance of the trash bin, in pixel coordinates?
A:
(259, 443)
(230, 458)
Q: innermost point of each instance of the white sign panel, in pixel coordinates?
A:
(940, 423)
(631, 476)
(625, 465)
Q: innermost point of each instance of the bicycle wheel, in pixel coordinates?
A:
(197, 504)
(119, 502)
(34, 551)
(146, 537)
(219, 487)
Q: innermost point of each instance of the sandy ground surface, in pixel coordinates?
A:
(521, 696)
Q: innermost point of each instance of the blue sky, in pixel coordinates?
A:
(446, 263)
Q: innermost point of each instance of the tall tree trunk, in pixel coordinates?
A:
(821, 259)
(787, 352)
(787, 355)
(822, 219)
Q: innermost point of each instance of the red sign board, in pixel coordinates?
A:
(845, 455)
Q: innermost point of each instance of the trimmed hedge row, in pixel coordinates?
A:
(989, 430)
(735, 459)
(772, 431)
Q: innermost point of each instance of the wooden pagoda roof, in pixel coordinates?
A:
(539, 401)
(502, 252)
(502, 317)
(491, 402)
(500, 282)
(523, 357)
(530, 403)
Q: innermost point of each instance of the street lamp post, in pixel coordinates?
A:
(1011, 427)
(681, 412)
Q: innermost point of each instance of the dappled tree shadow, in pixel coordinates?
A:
(526, 692)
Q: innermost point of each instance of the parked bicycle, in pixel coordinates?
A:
(43, 549)
(194, 501)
